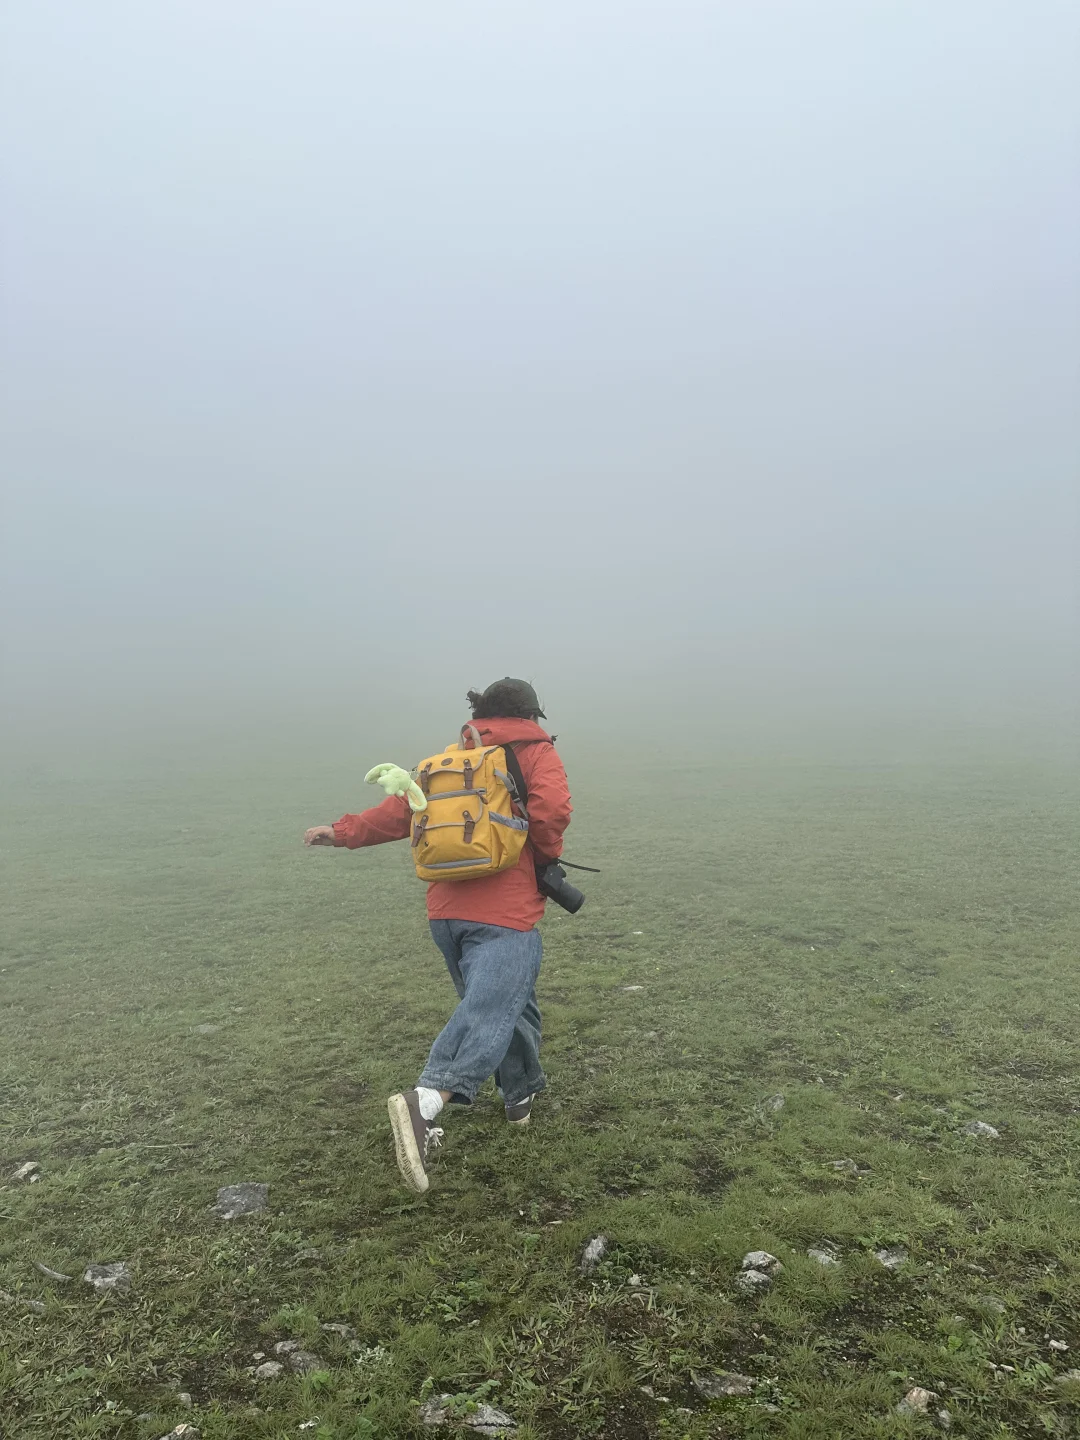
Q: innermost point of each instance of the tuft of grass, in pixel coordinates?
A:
(188, 999)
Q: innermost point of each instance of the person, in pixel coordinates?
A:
(486, 930)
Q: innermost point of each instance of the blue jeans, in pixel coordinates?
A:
(495, 1029)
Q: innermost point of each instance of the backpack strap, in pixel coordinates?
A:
(513, 765)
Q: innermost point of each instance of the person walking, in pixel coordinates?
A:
(484, 927)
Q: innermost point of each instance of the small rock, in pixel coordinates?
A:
(484, 1420)
(916, 1402)
(594, 1252)
(652, 1034)
(980, 1128)
(752, 1281)
(51, 1274)
(286, 1347)
(847, 1166)
(345, 1331)
(716, 1387)
(103, 1278)
(183, 1398)
(182, 1432)
(207, 1029)
(308, 1254)
(235, 1200)
(944, 1419)
(1068, 1377)
(823, 1257)
(269, 1370)
(1058, 1345)
(774, 1102)
(990, 1302)
(35, 1305)
(259, 1355)
(24, 1172)
(308, 1424)
(892, 1257)
(629, 989)
(761, 1260)
(303, 1362)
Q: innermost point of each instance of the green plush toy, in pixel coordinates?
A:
(396, 781)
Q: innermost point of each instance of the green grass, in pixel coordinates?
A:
(894, 949)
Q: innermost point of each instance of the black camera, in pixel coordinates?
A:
(551, 881)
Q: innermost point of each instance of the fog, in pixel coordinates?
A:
(707, 364)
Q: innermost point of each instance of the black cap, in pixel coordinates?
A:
(509, 697)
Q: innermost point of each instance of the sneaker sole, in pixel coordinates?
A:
(405, 1148)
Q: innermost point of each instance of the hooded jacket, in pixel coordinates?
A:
(510, 897)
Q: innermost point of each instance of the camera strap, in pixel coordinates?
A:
(522, 797)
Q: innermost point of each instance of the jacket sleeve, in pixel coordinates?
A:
(549, 799)
(388, 821)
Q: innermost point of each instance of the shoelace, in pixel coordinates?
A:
(433, 1139)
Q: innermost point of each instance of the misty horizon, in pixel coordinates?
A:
(690, 361)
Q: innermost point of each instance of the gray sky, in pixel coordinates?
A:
(356, 351)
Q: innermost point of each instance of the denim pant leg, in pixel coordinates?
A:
(519, 1074)
(494, 970)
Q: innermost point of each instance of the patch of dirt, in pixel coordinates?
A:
(712, 1177)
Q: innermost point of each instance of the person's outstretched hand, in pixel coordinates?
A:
(319, 835)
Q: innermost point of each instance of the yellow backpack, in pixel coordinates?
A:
(476, 822)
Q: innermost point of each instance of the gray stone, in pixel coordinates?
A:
(35, 1305)
(269, 1370)
(774, 1102)
(56, 1275)
(183, 1398)
(847, 1166)
(944, 1419)
(594, 1252)
(484, 1420)
(1068, 1377)
(296, 1358)
(761, 1260)
(823, 1257)
(345, 1331)
(990, 1302)
(717, 1387)
(115, 1276)
(27, 1171)
(982, 1130)
(233, 1201)
(916, 1401)
(752, 1281)
(182, 1432)
(892, 1256)
(303, 1362)
(631, 989)
(207, 1029)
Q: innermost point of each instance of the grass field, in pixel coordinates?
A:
(189, 999)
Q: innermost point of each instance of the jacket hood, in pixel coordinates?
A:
(504, 729)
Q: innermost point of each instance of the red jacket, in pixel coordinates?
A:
(510, 897)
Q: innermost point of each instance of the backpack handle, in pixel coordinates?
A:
(471, 730)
